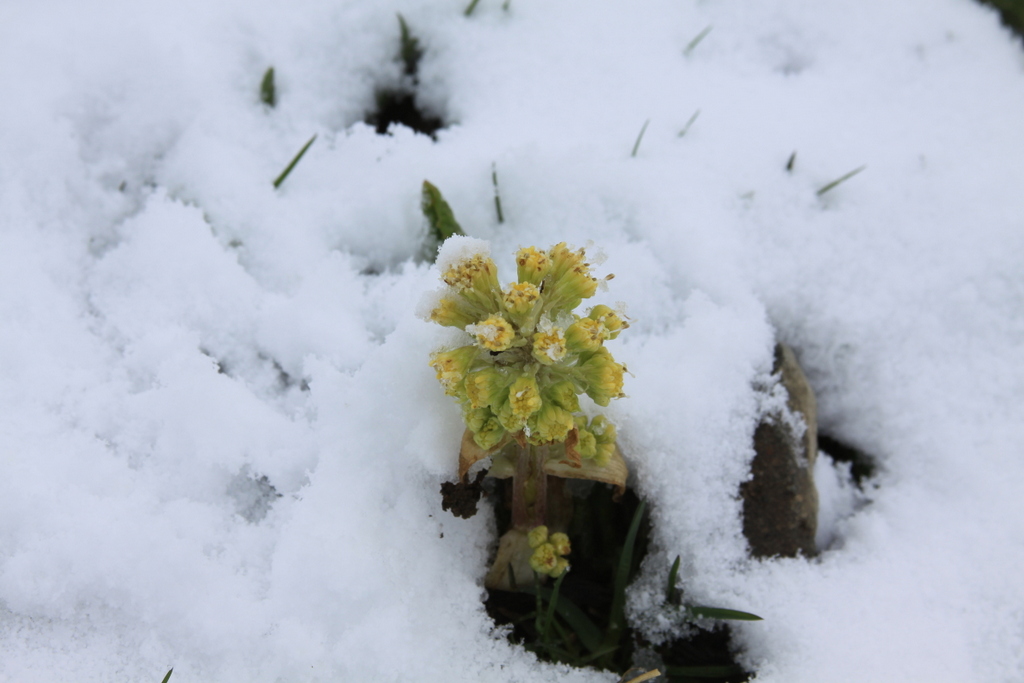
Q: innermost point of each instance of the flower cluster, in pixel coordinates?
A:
(549, 551)
(531, 356)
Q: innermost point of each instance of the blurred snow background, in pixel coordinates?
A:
(220, 442)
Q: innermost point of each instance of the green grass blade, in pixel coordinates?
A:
(268, 93)
(672, 593)
(439, 214)
(636, 145)
(719, 613)
(600, 652)
(471, 7)
(704, 671)
(290, 166)
(168, 676)
(549, 618)
(576, 618)
(617, 613)
(840, 179)
(497, 196)
(696, 41)
(689, 123)
(410, 51)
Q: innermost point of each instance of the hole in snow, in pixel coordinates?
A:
(252, 495)
(400, 104)
(597, 525)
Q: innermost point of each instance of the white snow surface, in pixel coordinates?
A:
(176, 336)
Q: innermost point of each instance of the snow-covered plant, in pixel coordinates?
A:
(527, 359)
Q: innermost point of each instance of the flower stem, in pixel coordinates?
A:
(529, 487)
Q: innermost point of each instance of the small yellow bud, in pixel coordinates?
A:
(494, 334)
(471, 272)
(549, 346)
(475, 417)
(520, 298)
(611, 320)
(561, 565)
(604, 437)
(585, 335)
(524, 397)
(452, 366)
(602, 377)
(561, 543)
(453, 311)
(532, 265)
(563, 395)
(537, 536)
(489, 434)
(487, 387)
(569, 279)
(544, 559)
(587, 444)
(551, 423)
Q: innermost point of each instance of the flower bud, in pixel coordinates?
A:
(452, 366)
(611, 320)
(520, 298)
(604, 435)
(550, 423)
(487, 387)
(453, 311)
(549, 346)
(524, 397)
(544, 559)
(602, 377)
(563, 395)
(561, 543)
(532, 265)
(585, 336)
(586, 446)
(476, 278)
(537, 536)
(489, 434)
(569, 281)
(493, 334)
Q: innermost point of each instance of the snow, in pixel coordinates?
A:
(221, 443)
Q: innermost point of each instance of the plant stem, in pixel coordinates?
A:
(529, 487)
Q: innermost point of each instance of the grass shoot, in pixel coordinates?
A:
(636, 145)
(841, 179)
(292, 163)
(692, 45)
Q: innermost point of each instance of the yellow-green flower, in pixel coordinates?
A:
(561, 543)
(524, 397)
(452, 366)
(605, 436)
(602, 377)
(585, 335)
(563, 395)
(537, 536)
(490, 433)
(569, 279)
(532, 265)
(494, 334)
(487, 387)
(549, 345)
(520, 298)
(548, 551)
(611, 320)
(453, 311)
(586, 446)
(550, 424)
